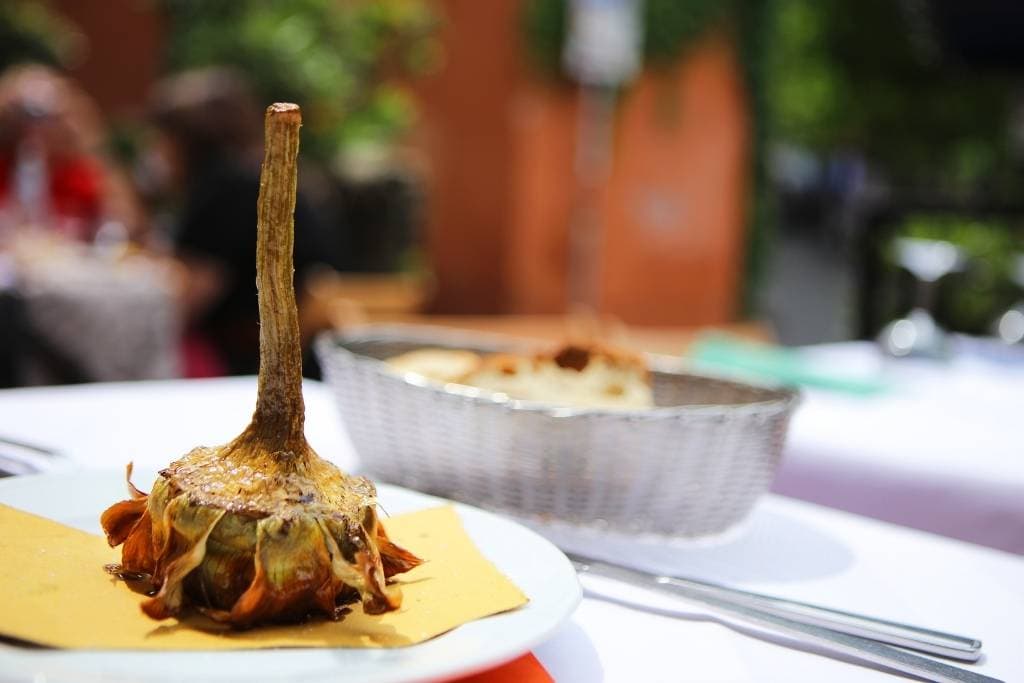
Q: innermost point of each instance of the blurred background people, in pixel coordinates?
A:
(61, 194)
(54, 172)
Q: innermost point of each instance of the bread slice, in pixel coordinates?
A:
(440, 365)
(581, 375)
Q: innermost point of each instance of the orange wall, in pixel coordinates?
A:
(123, 54)
(536, 262)
(677, 198)
(464, 135)
(500, 141)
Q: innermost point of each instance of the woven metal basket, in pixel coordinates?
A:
(693, 466)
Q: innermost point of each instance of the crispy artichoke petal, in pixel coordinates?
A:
(161, 495)
(379, 597)
(137, 555)
(292, 573)
(342, 570)
(394, 558)
(228, 568)
(133, 491)
(120, 519)
(187, 527)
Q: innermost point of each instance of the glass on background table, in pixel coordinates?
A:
(1009, 327)
(917, 333)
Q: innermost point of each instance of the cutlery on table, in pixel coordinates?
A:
(20, 457)
(32, 447)
(861, 637)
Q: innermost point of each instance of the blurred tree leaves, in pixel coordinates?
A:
(31, 32)
(873, 76)
(346, 62)
(545, 23)
(671, 26)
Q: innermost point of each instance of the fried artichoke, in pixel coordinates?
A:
(261, 529)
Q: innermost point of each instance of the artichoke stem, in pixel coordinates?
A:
(278, 421)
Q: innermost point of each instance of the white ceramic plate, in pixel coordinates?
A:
(536, 566)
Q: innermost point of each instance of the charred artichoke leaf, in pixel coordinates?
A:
(188, 527)
(293, 572)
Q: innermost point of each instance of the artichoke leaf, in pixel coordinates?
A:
(185, 546)
(293, 573)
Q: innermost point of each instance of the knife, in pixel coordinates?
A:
(893, 633)
(861, 637)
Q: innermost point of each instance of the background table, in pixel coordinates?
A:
(89, 314)
(942, 450)
(787, 547)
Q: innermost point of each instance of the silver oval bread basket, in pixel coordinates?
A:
(693, 466)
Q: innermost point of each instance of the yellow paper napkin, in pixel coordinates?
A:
(53, 591)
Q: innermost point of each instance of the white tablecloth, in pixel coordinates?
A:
(114, 318)
(942, 450)
(787, 547)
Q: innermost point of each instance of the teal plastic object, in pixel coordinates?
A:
(774, 364)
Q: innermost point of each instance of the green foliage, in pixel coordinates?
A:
(868, 76)
(671, 26)
(861, 76)
(30, 32)
(801, 84)
(545, 25)
(754, 47)
(343, 61)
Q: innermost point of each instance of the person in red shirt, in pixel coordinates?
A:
(53, 174)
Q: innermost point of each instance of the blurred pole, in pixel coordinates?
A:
(592, 168)
(602, 53)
